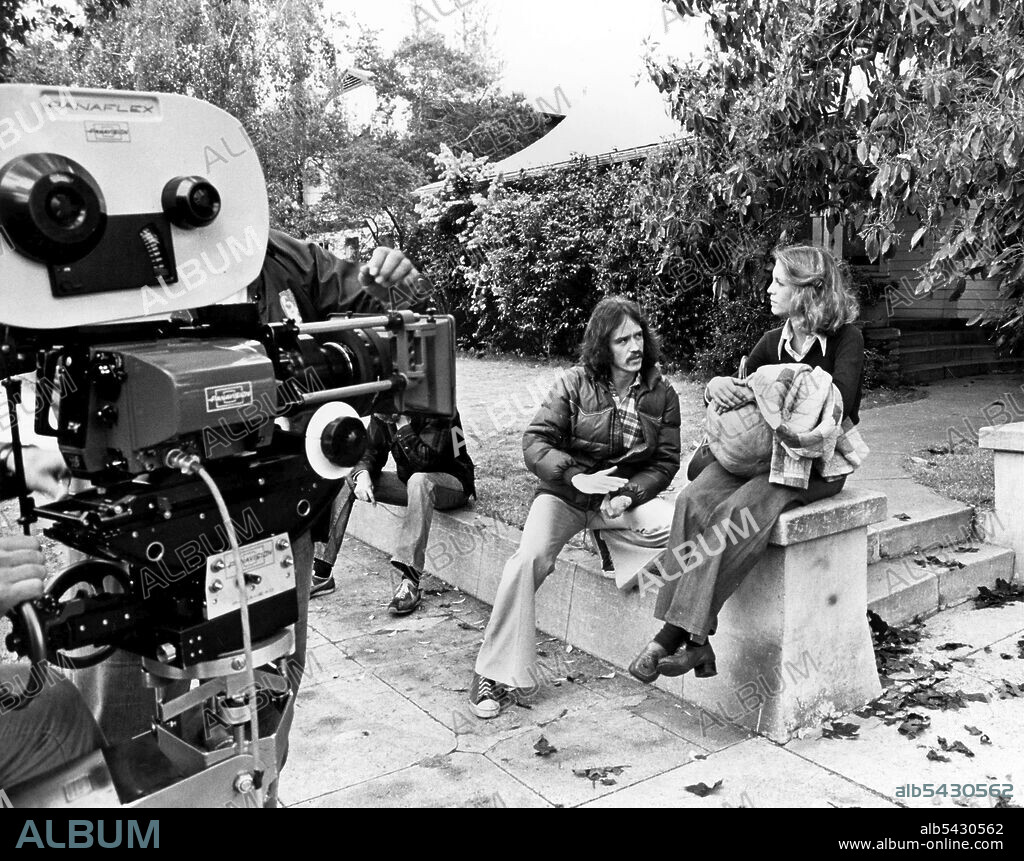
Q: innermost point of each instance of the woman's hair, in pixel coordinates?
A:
(822, 300)
(596, 353)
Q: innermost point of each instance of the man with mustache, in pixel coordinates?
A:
(604, 445)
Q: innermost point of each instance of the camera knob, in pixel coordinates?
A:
(343, 441)
(190, 202)
(165, 653)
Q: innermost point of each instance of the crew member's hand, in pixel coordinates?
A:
(45, 470)
(389, 269)
(614, 506)
(403, 420)
(598, 482)
(364, 488)
(728, 393)
(22, 570)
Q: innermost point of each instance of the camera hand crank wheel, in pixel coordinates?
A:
(88, 578)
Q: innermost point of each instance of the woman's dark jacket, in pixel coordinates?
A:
(843, 359)
(572, 434)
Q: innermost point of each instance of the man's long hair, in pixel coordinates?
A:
(596, 352)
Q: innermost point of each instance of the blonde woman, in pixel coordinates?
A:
(810, 293)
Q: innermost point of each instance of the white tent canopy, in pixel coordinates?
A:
(606, 121)
(611, 124)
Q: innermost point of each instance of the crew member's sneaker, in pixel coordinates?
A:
(483, 697)
(407, 598)
(322, 585)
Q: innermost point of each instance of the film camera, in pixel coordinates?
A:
(131, 223)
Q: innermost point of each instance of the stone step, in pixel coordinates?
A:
(935, 354)
(913, 585)
(929, 373)
(894, 537)
(910, 339)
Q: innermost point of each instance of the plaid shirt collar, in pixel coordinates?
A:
(627, 430)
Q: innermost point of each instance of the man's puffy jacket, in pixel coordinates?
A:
(572, 434)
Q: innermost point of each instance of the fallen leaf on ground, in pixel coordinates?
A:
(901, 516)
(1007, 689)
(891, 644)
(949, 647)
(955, 747)
(935, 756)
(1004, 593)
(596, 773)
(840, 730)
(914, 725)
(543, 747)
(702, 789)
(973, 730)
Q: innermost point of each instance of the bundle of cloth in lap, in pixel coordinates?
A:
(795, 423)
(741, 440)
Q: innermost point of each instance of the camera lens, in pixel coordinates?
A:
(51, 208)
(190, 202)
(66, 207)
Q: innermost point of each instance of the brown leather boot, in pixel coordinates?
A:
(645, 665)
(700, 659)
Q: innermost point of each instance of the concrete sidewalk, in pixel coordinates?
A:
(383, 720)
(952, 412)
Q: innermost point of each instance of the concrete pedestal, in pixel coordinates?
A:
(1005, 526)
(794, 644)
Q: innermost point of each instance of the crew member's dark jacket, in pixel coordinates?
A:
(572, 434)
(302, 281)
(423, 445)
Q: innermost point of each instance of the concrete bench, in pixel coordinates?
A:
(1005, 526)
(793, 645)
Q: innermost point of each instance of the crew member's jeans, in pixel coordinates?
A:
(425, 492)
(53, 728)
(720, 529)
(509, 651)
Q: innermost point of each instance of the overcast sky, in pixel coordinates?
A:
(578, 45)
